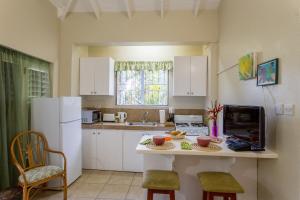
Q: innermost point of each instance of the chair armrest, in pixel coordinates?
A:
(60, 153)
(22, 172)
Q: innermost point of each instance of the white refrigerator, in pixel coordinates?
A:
(60, 121)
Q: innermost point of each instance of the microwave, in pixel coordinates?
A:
(90, 116)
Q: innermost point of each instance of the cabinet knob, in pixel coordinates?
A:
(192, 93)
(92, 92)
(188, 93)
(94, 133)
(98, 133)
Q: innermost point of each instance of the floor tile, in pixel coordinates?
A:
(98, 178)
(80, 198)
(135, 193)
(82, 178)
(121, 178)
(88, 190)
(137, 179)
(92, 171)
(114, 192)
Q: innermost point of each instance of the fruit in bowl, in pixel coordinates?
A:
(203, 141)
(158, 140)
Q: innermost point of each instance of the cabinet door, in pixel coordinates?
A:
(87, 84)
(89, 149)
(181, 76)
(132, 161)
(198, 75)
(109, 150)
(104, 76)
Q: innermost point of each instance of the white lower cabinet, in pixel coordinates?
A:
(132, 161)
(107, 149)
(89, 149)
(102, 149)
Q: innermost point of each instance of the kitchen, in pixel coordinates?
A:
(132, 90)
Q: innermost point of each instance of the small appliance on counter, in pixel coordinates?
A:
(90, 116)
(162, 116)
(122, 116)
(109, 117)
(191, 124)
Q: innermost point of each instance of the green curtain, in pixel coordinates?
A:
(143, 65)
(14, 106)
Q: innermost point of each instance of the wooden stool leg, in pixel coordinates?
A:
(149, 194)
(172, 195)
(210, 196)
(233, 197)
(204, 195)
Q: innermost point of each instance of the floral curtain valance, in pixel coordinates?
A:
(143, 65)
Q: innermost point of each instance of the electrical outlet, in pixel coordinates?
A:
(289, 109)
(279, 109)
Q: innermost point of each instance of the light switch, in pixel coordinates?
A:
(279, 109)
(289, 109)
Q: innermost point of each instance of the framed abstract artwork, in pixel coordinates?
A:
(267, 73)
(247, 66)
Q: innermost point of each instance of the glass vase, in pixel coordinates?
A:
(214, 129)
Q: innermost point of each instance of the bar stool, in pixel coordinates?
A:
(160, 182)
(219, 184)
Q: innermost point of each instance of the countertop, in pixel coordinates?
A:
(125, 126)
(225, 152)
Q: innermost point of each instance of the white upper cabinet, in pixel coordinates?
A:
(181, 76)
(190, 76)
(97, 76)
(198, 75)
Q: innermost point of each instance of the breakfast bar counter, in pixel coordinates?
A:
(187, 163)
(225, 152)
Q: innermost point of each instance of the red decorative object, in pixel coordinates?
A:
(213, 112)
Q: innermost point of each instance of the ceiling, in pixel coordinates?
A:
(129, 6)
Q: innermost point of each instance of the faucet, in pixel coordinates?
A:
(145, 116)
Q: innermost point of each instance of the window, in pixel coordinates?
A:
(38, 83)
(142, 87)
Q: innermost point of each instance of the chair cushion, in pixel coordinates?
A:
(40, 173)
(161, 180)
(219, 182)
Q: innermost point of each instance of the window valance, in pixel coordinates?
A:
(143, 65)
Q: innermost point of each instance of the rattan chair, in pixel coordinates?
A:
(29, 151)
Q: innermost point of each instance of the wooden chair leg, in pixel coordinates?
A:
(149, 194)
(204, 195)
(172, 195)
(65, 187)
(25, 193)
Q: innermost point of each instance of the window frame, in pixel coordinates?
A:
(142, 105)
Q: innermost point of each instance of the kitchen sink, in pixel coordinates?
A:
(142, 123)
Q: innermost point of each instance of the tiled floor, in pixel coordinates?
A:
(101, 185)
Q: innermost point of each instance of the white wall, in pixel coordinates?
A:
(31, 27)
(271, 27)
(113, 28)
